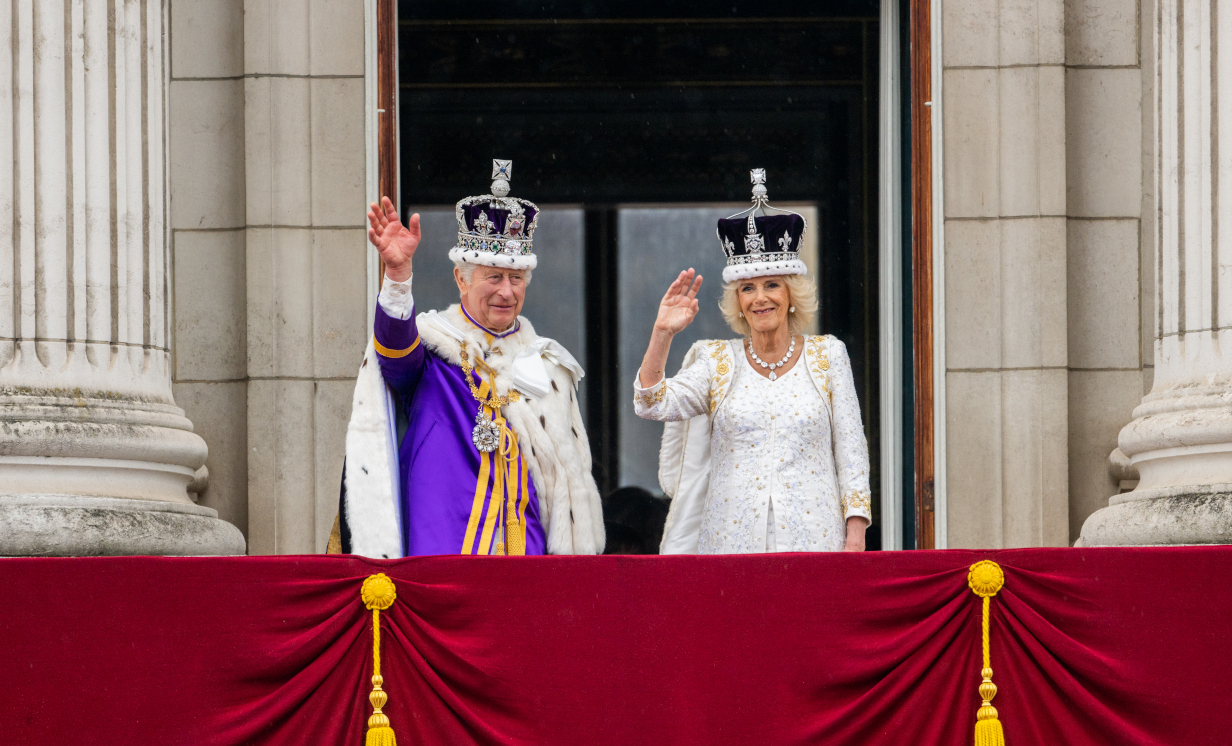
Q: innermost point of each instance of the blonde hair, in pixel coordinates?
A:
(801, 293)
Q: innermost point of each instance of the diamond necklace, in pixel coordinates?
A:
(790, 350)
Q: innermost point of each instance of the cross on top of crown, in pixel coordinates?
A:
(502, 172)
(758, 177)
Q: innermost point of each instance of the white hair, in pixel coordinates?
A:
(468, 271)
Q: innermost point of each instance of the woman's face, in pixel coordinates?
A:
(764, 302)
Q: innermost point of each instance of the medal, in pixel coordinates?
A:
(487, 434)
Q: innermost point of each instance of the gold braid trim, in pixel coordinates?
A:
(386, 352)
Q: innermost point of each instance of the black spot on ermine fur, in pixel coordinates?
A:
(364, 364)
(554, 386)
(574, 431)
(543, 422)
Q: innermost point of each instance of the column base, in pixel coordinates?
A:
(1177, 516)
(69, 526)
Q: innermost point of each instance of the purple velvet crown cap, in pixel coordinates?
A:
(771, 228)
(499, 217)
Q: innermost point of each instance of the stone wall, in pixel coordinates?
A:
(1005, 272)
(1047, 295)
(267, 201)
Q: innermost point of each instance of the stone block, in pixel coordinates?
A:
(1032, 32)
(1032, 141)
(281, 467)
(338, 152)
(219, 412)
(330, 418)
(280, 299)
(1104, 142)
(1101, 33)
(972, 144)
(969, 29)
(278, 150)
(206, 153)
(1035, 458)
(276, 37)
(973, 293)
(210, 313)
(1103, 301)
(1052, 165)
(1100, 404)
(1020, 147)
(207, 38)
(974, 459)
(1033, 320)
(337, 37)
(339, 301)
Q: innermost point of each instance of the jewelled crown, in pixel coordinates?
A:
(761, 245)
(495, 229)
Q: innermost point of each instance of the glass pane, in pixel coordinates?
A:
(654, 245)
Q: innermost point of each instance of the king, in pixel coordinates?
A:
(466, 436)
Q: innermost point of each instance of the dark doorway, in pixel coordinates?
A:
(602, 105)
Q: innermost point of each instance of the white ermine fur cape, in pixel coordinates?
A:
(546, 420)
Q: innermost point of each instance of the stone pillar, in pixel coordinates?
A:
(1180, 441)
(95, 457)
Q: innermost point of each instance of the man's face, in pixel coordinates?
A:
(494, 296)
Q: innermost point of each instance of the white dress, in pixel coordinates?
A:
(788, 458)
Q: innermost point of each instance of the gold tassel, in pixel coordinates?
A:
(378, 594)
(985, 579)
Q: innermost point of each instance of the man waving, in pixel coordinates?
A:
(494, 458)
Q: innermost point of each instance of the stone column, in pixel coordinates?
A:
(1180, 441)
(95, 457)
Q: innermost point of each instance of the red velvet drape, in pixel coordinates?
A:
(1111, 646)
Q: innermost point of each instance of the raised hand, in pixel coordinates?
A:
(679, 304)
(395, 242)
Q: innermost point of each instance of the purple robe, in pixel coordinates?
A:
(443, 506)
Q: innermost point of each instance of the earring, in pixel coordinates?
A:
(793, 309)
(742, 314)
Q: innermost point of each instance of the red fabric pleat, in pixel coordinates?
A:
(1089, 646)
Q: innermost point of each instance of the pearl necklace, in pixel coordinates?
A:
(791, 349)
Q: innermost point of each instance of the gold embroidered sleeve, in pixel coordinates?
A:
(858, 503)
(681, 397)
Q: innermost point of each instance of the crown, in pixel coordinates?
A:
(761, 245)
(495, 229)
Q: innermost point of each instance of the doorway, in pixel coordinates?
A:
(634, 125)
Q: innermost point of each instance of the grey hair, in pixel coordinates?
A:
(468, 271)
(801, 293)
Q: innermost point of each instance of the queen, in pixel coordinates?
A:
(764, 450)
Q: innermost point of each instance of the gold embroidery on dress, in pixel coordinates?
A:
(858, 500)
(720, 351)
(651, 398)
(821, 363)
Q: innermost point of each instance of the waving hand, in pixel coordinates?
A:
(395, 242)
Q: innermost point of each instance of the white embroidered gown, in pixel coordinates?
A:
(789, 463)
